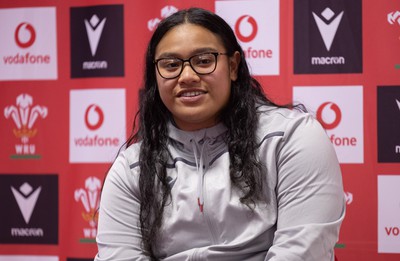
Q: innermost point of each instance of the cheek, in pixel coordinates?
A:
(165, 91)
(224, 88)
(223, 92)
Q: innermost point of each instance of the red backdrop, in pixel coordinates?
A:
(69, 77)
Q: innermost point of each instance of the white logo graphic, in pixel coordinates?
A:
(394, 17)
(26, 199)
(90, 199)
(94, 28)
(398, 103)
(328, 30)
(349, 197)
(165, 12)
(24, 116)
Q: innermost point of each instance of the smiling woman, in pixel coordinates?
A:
(215, 170)
(195, 99)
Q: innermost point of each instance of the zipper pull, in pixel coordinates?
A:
(200, 205)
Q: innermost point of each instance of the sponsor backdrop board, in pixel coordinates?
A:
(69, 78)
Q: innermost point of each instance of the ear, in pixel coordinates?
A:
(234, 62)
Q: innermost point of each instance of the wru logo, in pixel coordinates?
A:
(24, 115)
(90, 199)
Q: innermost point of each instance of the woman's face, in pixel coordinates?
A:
(195, 101)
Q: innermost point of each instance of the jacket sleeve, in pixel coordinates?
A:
(309, 193)
(118, 236)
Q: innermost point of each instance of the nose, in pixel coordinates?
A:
(188, 74)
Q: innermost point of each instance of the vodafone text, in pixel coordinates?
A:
(394, 231)
(97, 141)
(343, 141)
(253, 53)
(27, 59)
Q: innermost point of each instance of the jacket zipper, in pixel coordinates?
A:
(207, 217)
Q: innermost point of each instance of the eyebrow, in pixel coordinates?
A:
(194, 52)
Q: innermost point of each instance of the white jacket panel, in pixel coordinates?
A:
(299, 220)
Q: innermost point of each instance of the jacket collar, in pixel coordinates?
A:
(186, 137)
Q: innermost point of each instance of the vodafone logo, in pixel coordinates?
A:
(329, 115)
(339, 110)
(94, 117)
(95, 136)
(246, 28)
(256, 27)
(29, 47)
(25, 35)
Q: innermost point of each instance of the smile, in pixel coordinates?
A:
(191, 94)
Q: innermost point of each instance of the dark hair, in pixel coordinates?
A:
(240, 117)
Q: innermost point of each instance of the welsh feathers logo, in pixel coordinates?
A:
(165, 12)
(394, 17)
(89, 197)
(24, 115)
(348, 197)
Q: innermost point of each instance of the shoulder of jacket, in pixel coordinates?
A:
(276, 118)
(131, 155)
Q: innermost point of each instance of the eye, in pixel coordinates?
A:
(169, 64)
(203, 60)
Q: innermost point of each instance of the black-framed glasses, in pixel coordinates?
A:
(204, 63)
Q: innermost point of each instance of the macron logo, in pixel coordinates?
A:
(94, 28)
(26, 200)
(328, 29)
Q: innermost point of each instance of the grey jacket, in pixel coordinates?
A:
(299, 220)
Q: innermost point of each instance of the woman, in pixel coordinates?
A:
(216, 171)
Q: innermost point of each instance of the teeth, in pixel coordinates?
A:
(190, 94)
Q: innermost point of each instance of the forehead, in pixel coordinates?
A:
(186, 39)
